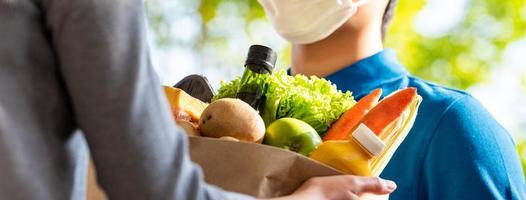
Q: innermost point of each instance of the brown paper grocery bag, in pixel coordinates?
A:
(248, 168)
(254, 169)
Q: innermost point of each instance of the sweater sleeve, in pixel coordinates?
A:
(471, 156)
(118, 102)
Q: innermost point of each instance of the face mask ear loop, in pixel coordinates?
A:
(354, 7)
(360, 2)
(351, 5)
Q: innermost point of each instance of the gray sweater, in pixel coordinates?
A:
(75, 74)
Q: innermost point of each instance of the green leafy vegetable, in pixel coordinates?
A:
(313, 100)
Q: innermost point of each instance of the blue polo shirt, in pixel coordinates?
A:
(455, 150)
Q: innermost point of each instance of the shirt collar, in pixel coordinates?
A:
(369, 73)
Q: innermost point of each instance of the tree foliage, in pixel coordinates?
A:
(467, 53)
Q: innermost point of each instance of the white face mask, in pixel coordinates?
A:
(308, 21)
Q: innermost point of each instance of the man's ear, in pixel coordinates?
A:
(388, 15)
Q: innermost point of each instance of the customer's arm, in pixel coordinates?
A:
(119, 104)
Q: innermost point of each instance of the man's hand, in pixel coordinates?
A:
(341, 187)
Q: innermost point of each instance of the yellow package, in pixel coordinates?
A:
(365, 154)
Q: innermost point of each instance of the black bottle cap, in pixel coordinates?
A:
(261, 59)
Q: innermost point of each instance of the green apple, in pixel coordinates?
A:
(292, 134)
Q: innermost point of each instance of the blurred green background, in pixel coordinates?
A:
(479, 46)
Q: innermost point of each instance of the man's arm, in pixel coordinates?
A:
(118, 101)
(471, 157)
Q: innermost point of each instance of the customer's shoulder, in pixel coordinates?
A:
(454, 107)
(440, 95)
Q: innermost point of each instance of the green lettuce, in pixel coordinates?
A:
(311, 99)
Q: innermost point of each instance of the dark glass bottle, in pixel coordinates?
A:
(260, 62)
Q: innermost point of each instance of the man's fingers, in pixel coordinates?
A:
(372, 185)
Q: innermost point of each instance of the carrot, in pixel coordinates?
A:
(388, 111)
(342, 127)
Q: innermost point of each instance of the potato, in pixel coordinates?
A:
(232, 118)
